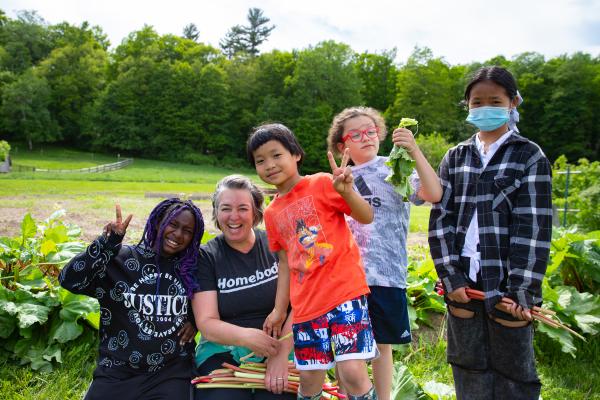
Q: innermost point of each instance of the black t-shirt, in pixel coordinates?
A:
(246, 284)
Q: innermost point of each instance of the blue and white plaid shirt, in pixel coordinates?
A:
(513, 199)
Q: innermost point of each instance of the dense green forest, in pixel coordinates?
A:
(177, 98)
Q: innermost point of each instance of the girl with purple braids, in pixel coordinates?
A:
(146, 321)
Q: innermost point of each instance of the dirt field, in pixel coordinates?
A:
(91, 213)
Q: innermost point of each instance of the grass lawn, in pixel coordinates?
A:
(141, 170)
(69, 381)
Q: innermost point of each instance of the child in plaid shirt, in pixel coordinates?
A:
(491, 231)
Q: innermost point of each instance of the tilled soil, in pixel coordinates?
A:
(92, 213)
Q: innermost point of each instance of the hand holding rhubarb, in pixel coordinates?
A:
(244, 358)
(260, 343)
(547, 317)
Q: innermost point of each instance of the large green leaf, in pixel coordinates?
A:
(53, 352)
(438, 390)
(74, 231)
(588, 323)
(31, 351)
(6, 294)
(26, 332)
(65, 251)
(28, 227)
(76, 306)
(46, 297)
(93, 319)
(33, 279)
(58, 234)
(63, 331)
(48, 246)
(29, 314)
(56, 215)
(583, 308)
(7, 325)
(404, 386)
(578, 303)
(564, 338)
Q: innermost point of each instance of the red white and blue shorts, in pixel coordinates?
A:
(343, 333)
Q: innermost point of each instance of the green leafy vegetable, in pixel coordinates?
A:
(37, 316)
(401, 165)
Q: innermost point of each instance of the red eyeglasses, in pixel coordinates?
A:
(356, 135)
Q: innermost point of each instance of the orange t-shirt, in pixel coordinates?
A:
(325, 265)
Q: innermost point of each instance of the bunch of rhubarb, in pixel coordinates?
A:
(540, 314)
(251, 375)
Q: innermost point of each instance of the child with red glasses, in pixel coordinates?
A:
(382, 243)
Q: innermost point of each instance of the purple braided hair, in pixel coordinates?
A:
(152, 238)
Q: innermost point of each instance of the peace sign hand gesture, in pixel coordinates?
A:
(342, 175)
(118, 227)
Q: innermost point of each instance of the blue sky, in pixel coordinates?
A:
(461, 31)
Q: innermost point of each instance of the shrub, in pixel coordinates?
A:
(584, 192)
(434, 146)
(4, 149)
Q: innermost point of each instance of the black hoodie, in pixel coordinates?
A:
(130, 282)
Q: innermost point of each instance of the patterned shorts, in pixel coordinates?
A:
(343, 333)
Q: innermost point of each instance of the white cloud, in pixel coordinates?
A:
(460, 31)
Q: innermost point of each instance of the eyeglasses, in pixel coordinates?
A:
(356, 135)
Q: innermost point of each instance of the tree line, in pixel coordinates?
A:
(176, 98)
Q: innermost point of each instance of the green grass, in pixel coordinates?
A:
(142, 170)
(562, 376)
(425, 357)
(28, 187)
(89, 198)
(419, 219)
(69, 381)
(58, 158)
(565, 377)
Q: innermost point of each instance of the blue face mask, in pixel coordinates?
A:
(488, 118)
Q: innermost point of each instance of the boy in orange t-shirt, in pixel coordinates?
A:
(320, 269)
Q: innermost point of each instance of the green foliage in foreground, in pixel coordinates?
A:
(572, 285)
(37, 317)
(421, 370)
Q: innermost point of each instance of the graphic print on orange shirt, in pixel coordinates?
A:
(299, 225)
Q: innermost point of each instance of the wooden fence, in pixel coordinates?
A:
(97, 169)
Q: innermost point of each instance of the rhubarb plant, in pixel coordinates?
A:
(37, 316)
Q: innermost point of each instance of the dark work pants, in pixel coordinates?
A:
(491, 361)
